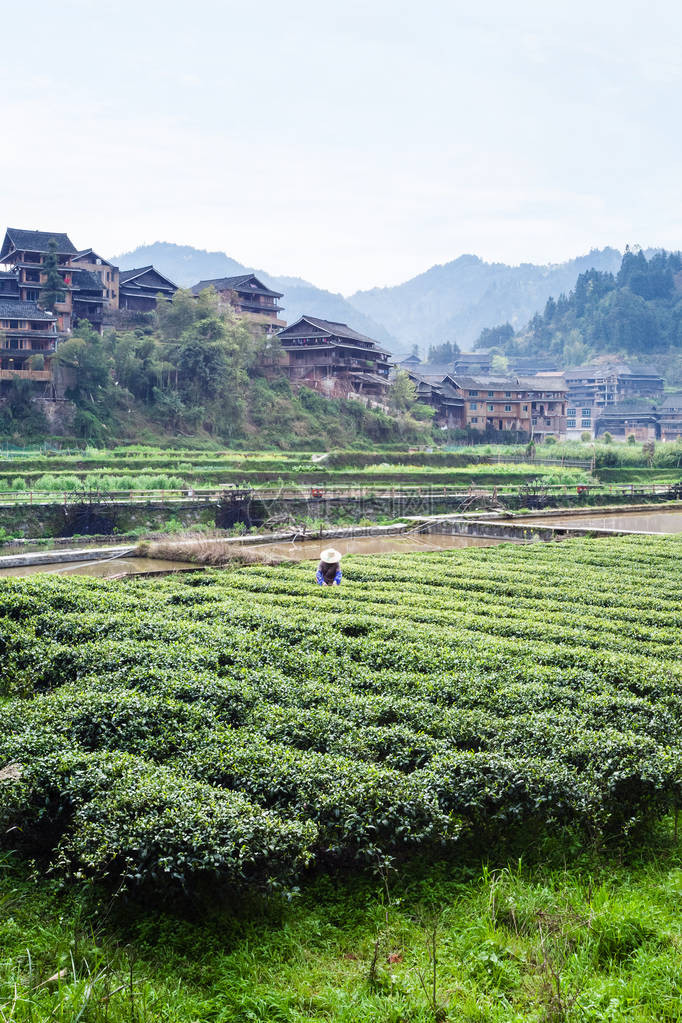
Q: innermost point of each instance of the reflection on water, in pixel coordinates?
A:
(304, 550)
(664, 521)
(109, 569)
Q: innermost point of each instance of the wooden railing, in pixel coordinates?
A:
(25, 374)
(215, 494)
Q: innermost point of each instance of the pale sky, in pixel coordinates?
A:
(351, 143)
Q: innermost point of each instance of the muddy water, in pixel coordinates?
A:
(398, 544)
(305, 550)
(109, 569)
(667, 520)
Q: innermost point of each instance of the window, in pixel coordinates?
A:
(587, 412)
(473, 394)
(474, 419)
(507, 408)
(586, 422)
(570, 424)
(474, 406)
(491, 394)
(525, 408)
(32, 294)
(491, 407)
(535, 422)
(570, 411)
(507, 394)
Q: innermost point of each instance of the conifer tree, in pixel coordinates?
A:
(53, 285)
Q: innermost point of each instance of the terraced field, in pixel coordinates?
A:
(245, 725)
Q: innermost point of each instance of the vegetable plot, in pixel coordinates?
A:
(243, 725)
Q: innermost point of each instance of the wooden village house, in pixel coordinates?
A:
(334, 359)
(249, 297)
(139, 289)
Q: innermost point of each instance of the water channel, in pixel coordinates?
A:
(664, 520)
(111, 568)
(400, 543)
(301, 550)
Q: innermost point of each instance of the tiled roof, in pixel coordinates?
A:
(91, 252)
(86, 281)
(340, 330)
(236, 284)
(36, 241)
(673, 401)
(129, 277)
(606, 369)
(13, 310)
(543, 383)
(492, 383)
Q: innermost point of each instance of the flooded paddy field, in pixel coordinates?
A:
(400, 543)
(665, 520)
(300, 550)
(110, 568)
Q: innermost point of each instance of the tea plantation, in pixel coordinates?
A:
(386, 755)
(247, 725)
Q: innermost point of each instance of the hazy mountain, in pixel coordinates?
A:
(455, 301)
(186, 266)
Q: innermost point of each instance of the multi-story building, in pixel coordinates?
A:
(108, 275)
(548, 401)
(640, 420)
(534, 406)
(25, 252)
(250, 298)
(493, 403)
(597, 387)
(138, 289)
(28, 336)
(600, 385)
(441, 393)
(473, 362)
(580, 418)
(334, 359)
(670, 417)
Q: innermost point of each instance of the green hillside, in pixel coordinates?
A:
(192, 372)
(635, 313)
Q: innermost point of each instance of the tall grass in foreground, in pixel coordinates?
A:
(598, 942)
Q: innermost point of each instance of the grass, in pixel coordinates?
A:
(599, 940)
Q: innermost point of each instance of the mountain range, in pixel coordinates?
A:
(450, 302)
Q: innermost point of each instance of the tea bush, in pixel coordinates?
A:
(245, 724)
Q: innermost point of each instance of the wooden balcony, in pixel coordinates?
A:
(26, 374)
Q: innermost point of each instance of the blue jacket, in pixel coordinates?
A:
(319, 578)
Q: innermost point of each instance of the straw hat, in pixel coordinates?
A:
(330, 556)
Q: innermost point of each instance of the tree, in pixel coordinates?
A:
(53, 285)
(496, 337)
(176, 316)
(402, 395)
(90, 364)
(445, 352)
(499, 364)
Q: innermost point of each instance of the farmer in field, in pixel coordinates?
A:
(329, 568)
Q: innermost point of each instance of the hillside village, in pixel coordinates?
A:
(530, 399)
